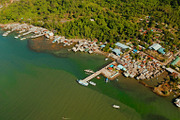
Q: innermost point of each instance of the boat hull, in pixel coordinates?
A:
(82, 83)
(116, 106)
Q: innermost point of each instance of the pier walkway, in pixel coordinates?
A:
(97, 73)
(36, 36)
(27, 33)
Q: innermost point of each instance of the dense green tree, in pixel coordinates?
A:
(105, 20)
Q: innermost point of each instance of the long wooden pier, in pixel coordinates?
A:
(35, 36)
(92, 76)
(97, 73)
(26, 33)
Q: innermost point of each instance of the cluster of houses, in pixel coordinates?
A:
(25, 30)
(141, 69)
(63, 40)
(119, 49)
(145, 68)
(157, 47)
(86, 46)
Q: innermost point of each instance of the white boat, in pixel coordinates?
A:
(177, 102)
(92, 83)
(116, 106)
(106, 59)
(89, 71)
(83, 83)
(16, 37)
(6, 33)
(22, 38)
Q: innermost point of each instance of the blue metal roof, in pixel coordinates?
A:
(175, 61)
(117, 51)
(111, 65)
(121, 67)
(102, 46)
(122, 45)
(161, 50)
(134, 51)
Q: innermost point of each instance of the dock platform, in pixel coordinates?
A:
(103, 71)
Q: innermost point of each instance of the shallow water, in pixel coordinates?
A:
(40, 86)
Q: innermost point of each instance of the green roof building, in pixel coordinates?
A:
(175, 61)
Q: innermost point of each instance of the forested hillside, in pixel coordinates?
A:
(105, 20)
(4, 1)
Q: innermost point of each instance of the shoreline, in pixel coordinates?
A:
(82, 42)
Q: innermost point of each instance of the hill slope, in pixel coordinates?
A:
(111, 20)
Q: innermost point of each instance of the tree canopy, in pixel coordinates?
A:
(105, 20)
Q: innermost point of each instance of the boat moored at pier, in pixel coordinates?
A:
(83, 82)
(6, 33)
(106, 80)
(177, 102)
(92, 83)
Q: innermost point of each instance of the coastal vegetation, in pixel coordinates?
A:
(104, 20)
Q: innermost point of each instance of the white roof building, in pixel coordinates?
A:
(155, 46)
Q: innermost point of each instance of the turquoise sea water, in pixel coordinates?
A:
(40, 86)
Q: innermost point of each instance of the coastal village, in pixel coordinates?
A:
(132, 61)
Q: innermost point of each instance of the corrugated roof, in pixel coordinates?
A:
(117, 51)
(121, 67)
(161, 50)
(102, 46)
(122, 45)
(155, 46)
(175, 61)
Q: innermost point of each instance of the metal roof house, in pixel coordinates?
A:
(135, 51)
(175, 61)
(161, 50)
(122, 46)
(121, 67)
(155, 46)
(117, 51)
(102, 46)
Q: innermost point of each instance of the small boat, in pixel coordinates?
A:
(83, 83)
(89, 71)
(22, 38)
(16, 37)
(92, 83)
(177, 102)
(64, 118)
(116, 106)
(6, 33)
(106, 80)
(98, 77)
(106, 59)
